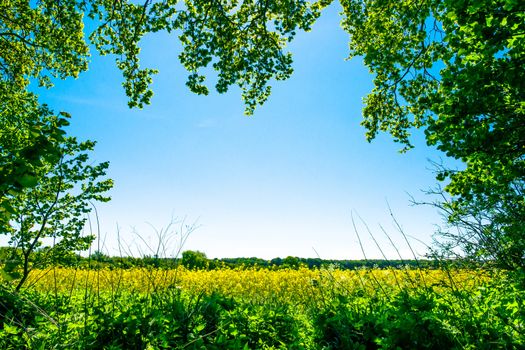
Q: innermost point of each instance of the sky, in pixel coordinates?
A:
(283, 182)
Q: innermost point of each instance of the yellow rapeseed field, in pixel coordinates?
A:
(295, 286)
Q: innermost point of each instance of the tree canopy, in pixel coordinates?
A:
(453, 68)
(456, 69)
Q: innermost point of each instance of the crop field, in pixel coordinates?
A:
(257, 285)
(263, 308)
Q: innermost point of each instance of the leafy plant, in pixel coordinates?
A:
(455, 69)
(52, 211)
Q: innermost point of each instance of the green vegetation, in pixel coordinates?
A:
(452, 68)
(54, 201)
(195, 260)
(327, 309)
(455, 69)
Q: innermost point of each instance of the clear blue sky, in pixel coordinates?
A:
(282, 182)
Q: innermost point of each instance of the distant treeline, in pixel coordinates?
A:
(312, 263)
(198, 260)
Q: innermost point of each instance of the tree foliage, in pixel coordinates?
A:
(244, 42)
(194, 259)
(38, 41)
(26, 142)
(456, 69)
(51, 212)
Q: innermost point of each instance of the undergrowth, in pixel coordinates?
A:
(334, 313)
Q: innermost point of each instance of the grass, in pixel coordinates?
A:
(153, 308)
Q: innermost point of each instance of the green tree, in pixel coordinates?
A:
(52, 213)
(456, 69)
(26, 141)
(45, 39)
(291, 262)
(194, 259)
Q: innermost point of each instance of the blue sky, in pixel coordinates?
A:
(281, 182)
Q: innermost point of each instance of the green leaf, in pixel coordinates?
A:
(10, 329)
(28, 181)
(6, 207)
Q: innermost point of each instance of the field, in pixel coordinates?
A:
(256, 308)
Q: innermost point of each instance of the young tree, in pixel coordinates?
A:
(52, 212)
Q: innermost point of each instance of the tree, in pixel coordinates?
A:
(52, 212)
(46, 39)
(194, 259)
(480, 230)
(456, 69)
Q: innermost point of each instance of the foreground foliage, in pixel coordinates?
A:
(264, 309)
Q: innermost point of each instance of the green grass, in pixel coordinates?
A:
(490, 316)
